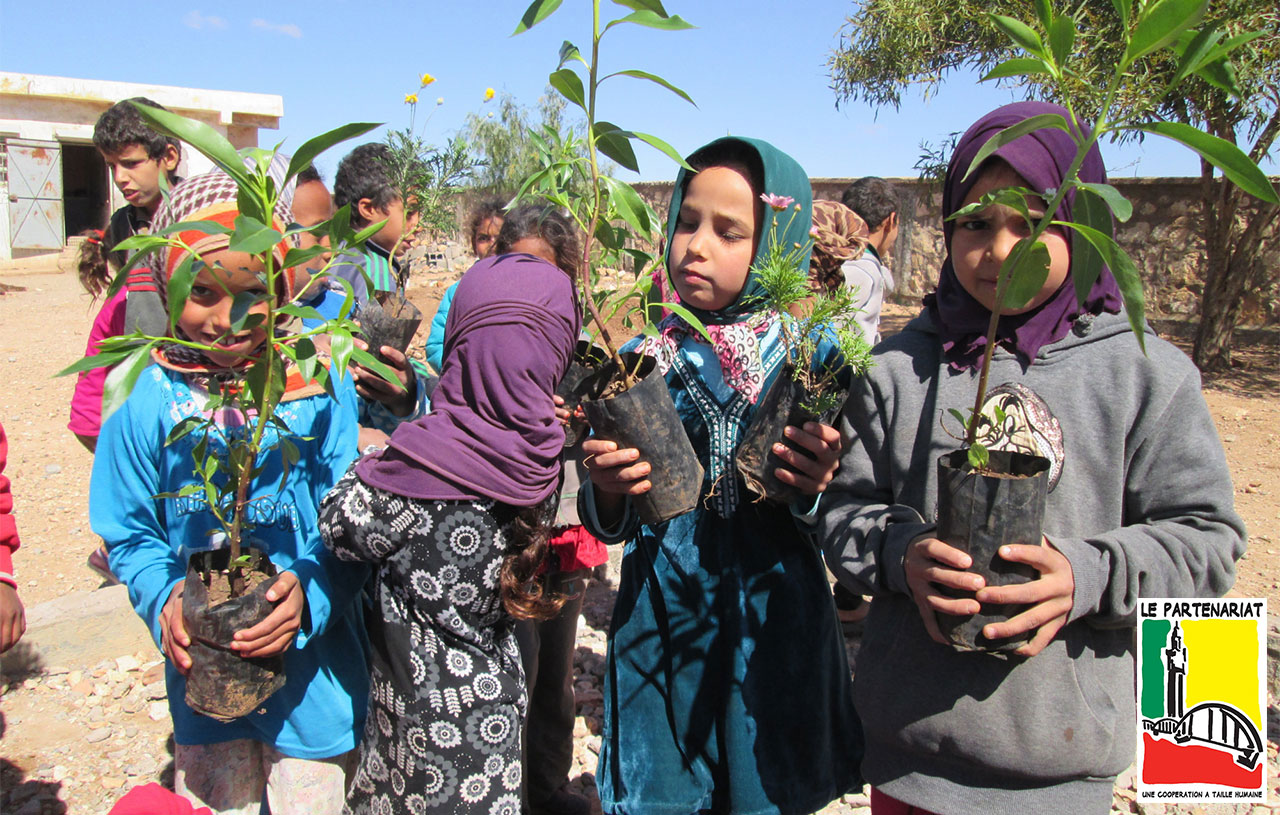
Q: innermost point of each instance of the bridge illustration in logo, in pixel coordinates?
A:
(1217, 724)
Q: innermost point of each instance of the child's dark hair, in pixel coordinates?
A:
(307, 175)
(546, 222)
(122, 125)
(728, 153)
(91, 263)
(363, 174)
(872, 198)
(522, 583)
(492, 208)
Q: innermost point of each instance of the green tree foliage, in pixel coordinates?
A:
(500, 143)
(891, 47)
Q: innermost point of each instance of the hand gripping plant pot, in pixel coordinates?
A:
(577, 385)
(644, 417)
(393, 323)
(782, 405)
(222, 684)
(979, 513)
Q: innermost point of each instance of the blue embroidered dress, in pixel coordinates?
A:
(727, 687)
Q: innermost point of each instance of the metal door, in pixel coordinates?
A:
(35, 194)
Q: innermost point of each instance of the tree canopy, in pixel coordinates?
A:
(892, 47)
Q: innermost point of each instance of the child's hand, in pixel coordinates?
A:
(274, 634)
(399, 399)
(563, 414)
(13, 619)
(174, 640)
(614, 471)
(810, 475)
(1050, 596)
(929, 561)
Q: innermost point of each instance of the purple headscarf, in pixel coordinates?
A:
(1042, 159)
(492, 430)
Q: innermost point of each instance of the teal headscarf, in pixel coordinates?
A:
(784, 176)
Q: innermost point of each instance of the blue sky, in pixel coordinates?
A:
(752, 68)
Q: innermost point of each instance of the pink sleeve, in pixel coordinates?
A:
(8, 529)
(86, 403)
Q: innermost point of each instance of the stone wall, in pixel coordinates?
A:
(1162, 238)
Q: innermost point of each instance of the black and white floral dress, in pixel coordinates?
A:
(447, 691)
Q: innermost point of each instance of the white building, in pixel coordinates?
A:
(53, 182)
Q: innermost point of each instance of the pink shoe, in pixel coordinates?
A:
(98, 562)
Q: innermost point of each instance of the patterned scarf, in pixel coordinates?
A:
(839, 234)
(736, 345)
(735, 329)
(208, 197)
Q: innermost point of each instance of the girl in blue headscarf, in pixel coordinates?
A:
(727, 687)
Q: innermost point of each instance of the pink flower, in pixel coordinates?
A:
(777, 202)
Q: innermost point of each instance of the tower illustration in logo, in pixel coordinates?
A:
(1218, 725)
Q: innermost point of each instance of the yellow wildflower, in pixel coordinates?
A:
(411, 98)
(488, 94)
(427, 79)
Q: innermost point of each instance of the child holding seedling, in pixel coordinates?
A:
(727, 686)
(1139, 505)
(299, 745)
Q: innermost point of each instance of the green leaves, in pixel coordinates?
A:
(1062, 36)
(655, 79)
(1231, 160)
(1125, 273)
(1020, 66)
(537, 11)
(652, 19)
(1022, 34)
(311, 148)
(1115, 201)
(199, 135)
(569, 84)
(1026, 269)
(630, 206)
(179, 287)
(1161, 23)
(1086, 262)
(978, 456)
(1017, 131)
(616, 144)
(253, 236)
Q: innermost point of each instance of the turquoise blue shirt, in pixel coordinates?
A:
(321, 709)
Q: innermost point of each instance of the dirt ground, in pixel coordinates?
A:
(76, 736)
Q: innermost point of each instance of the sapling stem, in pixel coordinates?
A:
(1006, 277)
(584, 272)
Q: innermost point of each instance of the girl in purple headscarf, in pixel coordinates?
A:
(453, 514)
(1140, 505)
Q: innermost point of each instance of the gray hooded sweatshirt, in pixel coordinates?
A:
(1140, 504)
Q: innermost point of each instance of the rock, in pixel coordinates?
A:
(52, 469)
(155, 690)
(158, 711)
(154, 673)
(127, 663)
(130, 731)
(135, 703)
(58, 773)
(111, 782)
(101, 734)
(84, 687)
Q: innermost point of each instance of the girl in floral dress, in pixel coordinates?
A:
(453, 516)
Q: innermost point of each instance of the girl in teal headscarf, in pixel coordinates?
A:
(727, 687)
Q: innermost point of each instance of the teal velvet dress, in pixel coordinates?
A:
(727, 687)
